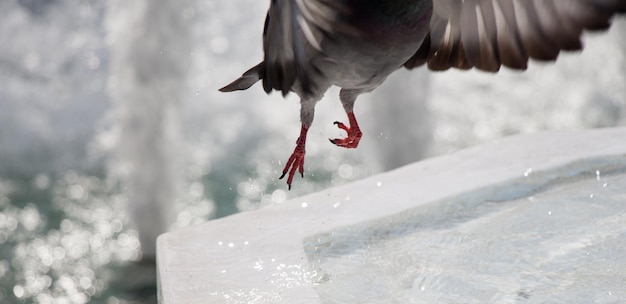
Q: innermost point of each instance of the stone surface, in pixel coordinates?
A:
(263, 256)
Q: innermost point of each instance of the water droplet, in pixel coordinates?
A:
(379, 184)
(591, 195)
(549, 212)
(305, 204)
(258, 266)
(345, 171)
(18, 291)
(528, 172)
(597, 174)
(42, 181)
(75, 192)
(231, 245)
(279, 196)
(336, 205)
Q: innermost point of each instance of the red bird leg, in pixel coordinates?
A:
(296, 161)
(354, 133)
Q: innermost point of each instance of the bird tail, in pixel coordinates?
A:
(246, 80)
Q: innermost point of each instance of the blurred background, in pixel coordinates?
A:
(112, 131)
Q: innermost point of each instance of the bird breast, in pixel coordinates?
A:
(389, 33)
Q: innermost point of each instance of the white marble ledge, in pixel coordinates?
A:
(260, 257)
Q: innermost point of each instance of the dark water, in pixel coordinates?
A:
(64, 239)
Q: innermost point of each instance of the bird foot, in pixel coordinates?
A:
(296, 160)
(354, 134)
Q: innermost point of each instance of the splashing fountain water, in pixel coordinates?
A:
(149, 62)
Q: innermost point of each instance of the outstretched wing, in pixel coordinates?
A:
(487, 34)
(294, 30)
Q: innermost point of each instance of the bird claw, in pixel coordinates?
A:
(340, 125)
(296, 160)
(353, 138)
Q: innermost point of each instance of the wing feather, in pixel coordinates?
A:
(487, 34)
(294, 30)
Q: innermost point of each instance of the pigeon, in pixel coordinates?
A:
(311, 45)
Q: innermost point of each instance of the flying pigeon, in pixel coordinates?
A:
(310, 45)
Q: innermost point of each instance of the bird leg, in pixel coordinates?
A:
(296, 161)
(348, 97)
(354, 133)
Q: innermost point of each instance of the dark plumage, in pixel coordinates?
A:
(310, 45)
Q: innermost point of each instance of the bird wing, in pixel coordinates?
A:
(487, 34)
(294, 30)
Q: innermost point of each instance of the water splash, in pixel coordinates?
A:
(149, 43)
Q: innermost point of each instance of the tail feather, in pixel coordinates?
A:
(246, 80)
